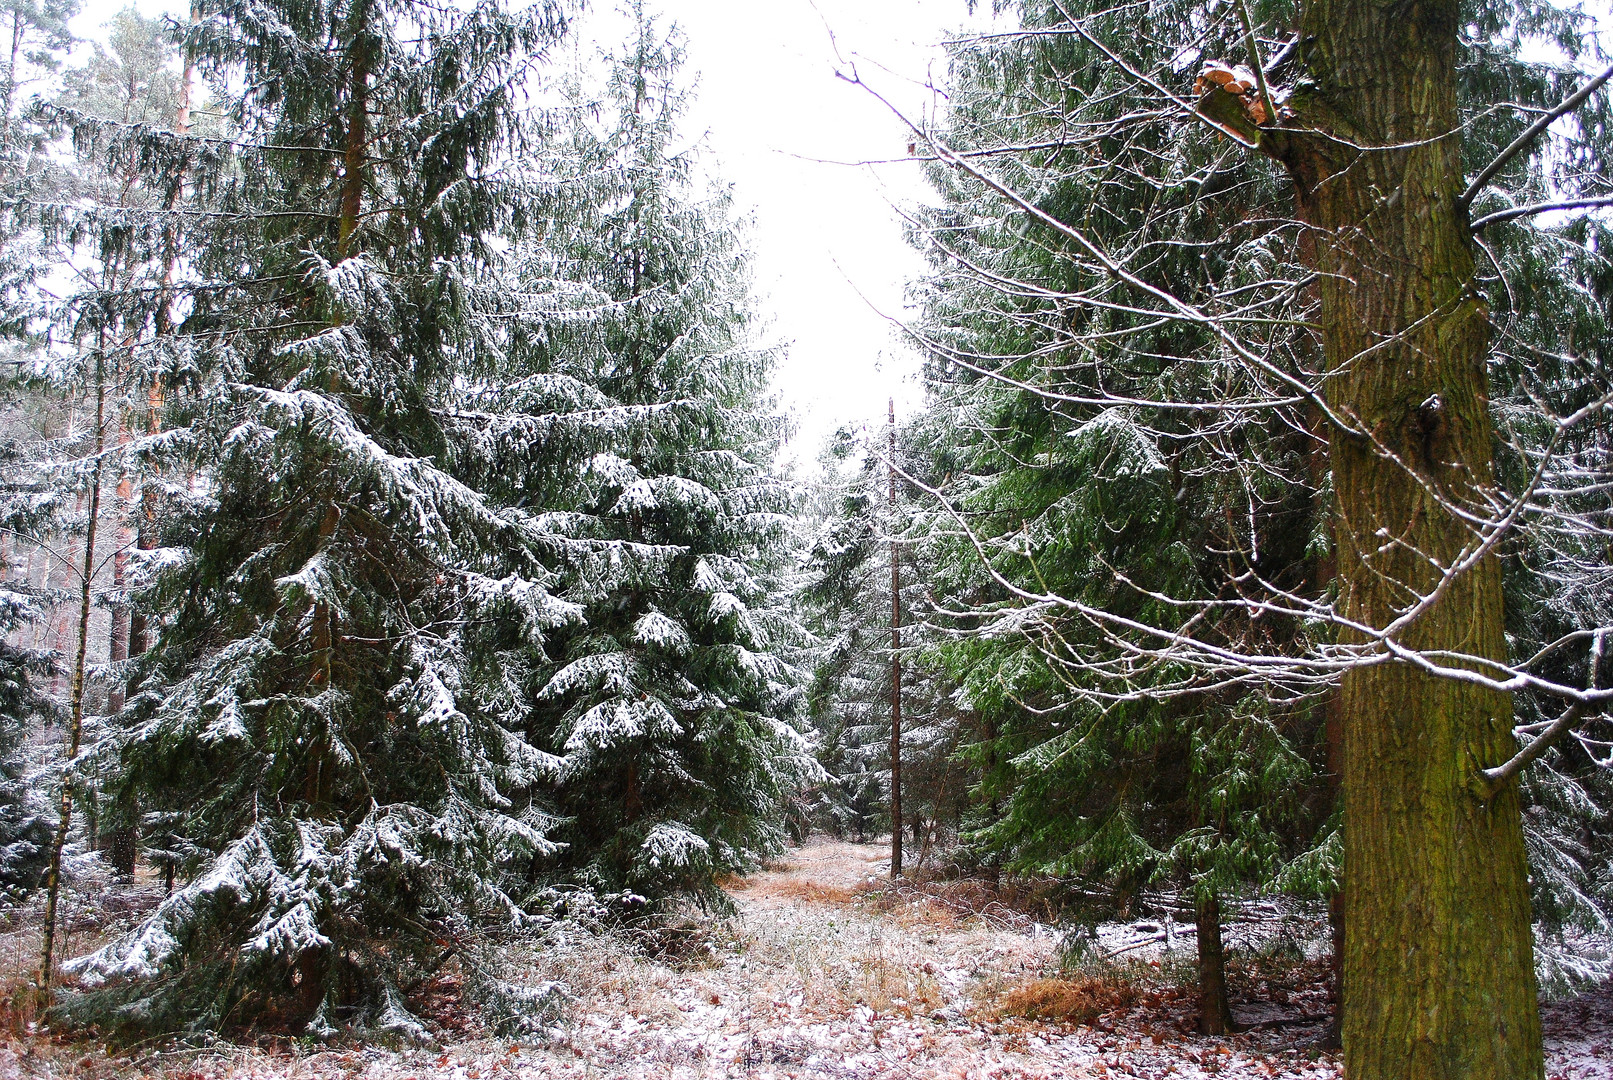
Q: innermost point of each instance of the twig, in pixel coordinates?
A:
(1254, 60)
(1493, 780)
(1285, 1021)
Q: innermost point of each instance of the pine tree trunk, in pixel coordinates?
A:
(146, 528)
(122, 841)
(1438, 973)
(1215, 1013)
(118, 638)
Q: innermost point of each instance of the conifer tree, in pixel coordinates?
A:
(1087, 488)
(38, 38)
(846, 594)
(25, 827)
(117, 233)
(301, 716)
(670, 705)
(1167, 308)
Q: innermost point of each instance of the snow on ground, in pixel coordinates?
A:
(811, 980)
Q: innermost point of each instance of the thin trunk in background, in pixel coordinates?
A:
(1215, 1012)
(75, 730)
(122, 841)
(146, 531)
(896, 664)
(126, 841)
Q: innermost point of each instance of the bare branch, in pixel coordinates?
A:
(1254, 61)
(1495, 779)
(1529, 135)
(1540, 208)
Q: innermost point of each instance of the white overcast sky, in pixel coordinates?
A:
(830, 261)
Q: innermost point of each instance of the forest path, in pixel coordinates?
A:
(813, 979)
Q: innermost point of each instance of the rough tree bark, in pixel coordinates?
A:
(1438, 972)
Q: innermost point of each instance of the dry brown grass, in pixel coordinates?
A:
(1079, 1000)
(948, 902)
(810, 892)
(607, 973)
(883, 976)
(19, 1005)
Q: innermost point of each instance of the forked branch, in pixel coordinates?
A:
(1493, 780)
(1573, 102)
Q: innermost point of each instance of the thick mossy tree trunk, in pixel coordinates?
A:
(1438, 972)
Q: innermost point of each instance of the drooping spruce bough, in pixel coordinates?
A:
(458, 479)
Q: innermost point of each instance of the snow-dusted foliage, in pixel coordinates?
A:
(1093, 763)
(305, 732)
(1144, 581)
(470, 578)
(25, 818)
(640, 415)
(845, 596)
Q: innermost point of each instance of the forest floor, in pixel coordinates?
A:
(826, 972)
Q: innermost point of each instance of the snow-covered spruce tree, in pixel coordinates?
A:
(302, 717)
(97, 208)
(1078, 485)
(846, 601)
(670, 707)
(38, 41)
(25, 816)
(129, 81)
(28, 502)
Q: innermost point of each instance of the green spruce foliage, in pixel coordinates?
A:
(472, 573)
(300, 719)
(670, 705)
(846, 594)
(1108, 467)
(25, 822)
(1127, 475)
